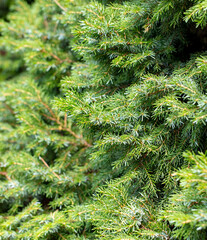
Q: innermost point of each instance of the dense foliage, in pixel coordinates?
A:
(103, 111)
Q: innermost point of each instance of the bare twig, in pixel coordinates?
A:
(55, 174)
(61, 236)
(64, 9)
(9, 108)
(6, 175)
(65, 120)
(55, 118)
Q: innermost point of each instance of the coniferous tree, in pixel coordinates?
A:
(36, 139)
(95, 158)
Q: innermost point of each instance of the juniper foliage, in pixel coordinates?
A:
(187, 208)
(101, 103)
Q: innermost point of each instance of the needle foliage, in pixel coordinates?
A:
(103, 114)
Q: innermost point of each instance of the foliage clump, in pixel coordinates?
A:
(103, 120)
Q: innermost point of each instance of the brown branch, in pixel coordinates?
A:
(55, 118)
(55, 174)
(77, 136)
(63, 128)
(65, 120)
(61, 236)
(9, 108)
(6, 175)
(64, 9)
(56, 57)
(48, 117)
(67, 60)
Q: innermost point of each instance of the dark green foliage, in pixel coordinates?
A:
(4, 7)
(100, 102)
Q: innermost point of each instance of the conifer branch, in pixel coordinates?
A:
(57, 58)
(59, 5)
(9, 108)
(61, 236)
(6, 175)
(61, 125)
(55, 174)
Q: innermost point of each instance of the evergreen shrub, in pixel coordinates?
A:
(103, 112)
